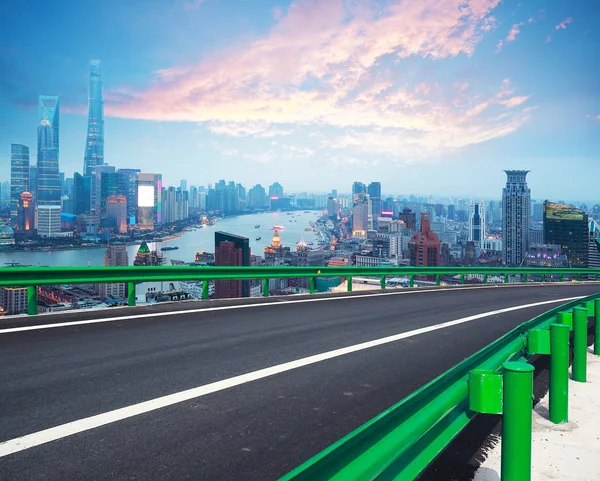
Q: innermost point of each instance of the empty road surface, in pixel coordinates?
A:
(217, 390)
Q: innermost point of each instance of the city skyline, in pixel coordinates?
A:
(347, 109)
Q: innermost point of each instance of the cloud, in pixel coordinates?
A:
(548, 39)
(563, 25)
(511, 37)
(339, 65)
(593, 117)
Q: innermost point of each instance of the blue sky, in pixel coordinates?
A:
(427, 97)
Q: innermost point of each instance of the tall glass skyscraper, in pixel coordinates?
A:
(49, 188)
(48, 109)
(516, 209)
(19, 176)
(94, 146)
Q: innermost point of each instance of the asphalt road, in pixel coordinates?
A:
(257, 430)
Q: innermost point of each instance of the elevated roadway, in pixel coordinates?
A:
(228, 390)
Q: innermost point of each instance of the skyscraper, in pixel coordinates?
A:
(149, 200)
(48, 188)
(276, 190)
(48, 109)
(82, 194)
(477, 222)
(127, 187)
(516, 206)
(116, 255)
(360, 220)
(94, 146)
(19, 176)
(374, 192)
(567, 227)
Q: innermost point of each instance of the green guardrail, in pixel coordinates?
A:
(32, 277)
(401, 442)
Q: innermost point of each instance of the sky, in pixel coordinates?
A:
(429, 97)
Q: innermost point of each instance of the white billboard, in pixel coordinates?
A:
(146, 196)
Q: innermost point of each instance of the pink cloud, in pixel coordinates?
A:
(548, 39)
(593, 117)
(563, 25)
(320, 66)
(511, 37)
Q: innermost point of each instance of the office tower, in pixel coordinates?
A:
(183, 185)
(275, 190)
(516, 205)
(82, 194)
(109, 186)
(25, 220)
(48, 189)
(116, 255)
(194, 197)
(359, 191)
(96, 186)
(374, 192)
(360, 219)
(231, 250)
(149, 200)
(333, 208)
(48, 220)
(424, 246)
(477, 222)
(94, 146)
(19, 176)
(451, 212)
(116, 211)
(409, 218)
(127, 187)
(537, 213)
(48, 108)
(594, 245)
(567, 227)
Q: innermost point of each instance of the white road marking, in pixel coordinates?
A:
(64, 430)
(241, 306)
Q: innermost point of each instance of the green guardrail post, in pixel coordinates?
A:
(578, 277)
(517, 421)
(525, 278)
(559, 373)
(265, 287)
(506, 278)
(485, 278)
(312, 285)
(579, 368)
(543, 277)
(412, 280)
(131, 294)
(383, 282)
(349, 284)
(565, 317)
(597, 327)
(560, 277)
(462, 278)
(437, 280)
(32, 298)
(205, 294)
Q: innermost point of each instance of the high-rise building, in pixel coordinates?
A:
(19, 176)
(116, 255)
(409, 218)
(149, 200)
(359, 191)
(425, 246)
(82, 194)
(231, 250)
(477, 222)
(94, 146)
(567, 227)
(48, 178)
(516, 206)
(374, 192)
(116, 211)
(276, 190)
(109, 186)
(257, 197)
(127, 187)
(96, 186)
(333, 208)
(26, 215)
(183, 185)
(48, 108)
(360, 219)
(48, 220)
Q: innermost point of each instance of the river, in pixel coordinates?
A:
(199, 240)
